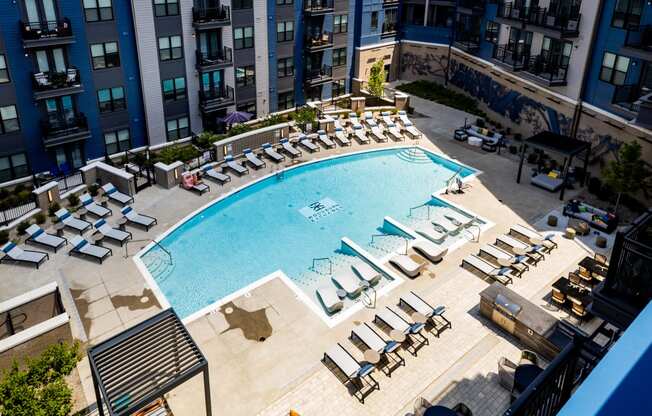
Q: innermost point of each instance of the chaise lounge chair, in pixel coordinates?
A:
(40, 237)
(92, 206)
(255, 161)
(342, 136)
(378, 134)
(445, 224)
(15, 254)
(360, 134)
(405, 264)
(366, 272)
(272, 154)
(210, 171)
(308, 144)
(81, 247)
(338, 124)
(433, 252)
(387, 118)
(527, 234)
(495, 253)
(502, 275)
(353, 119)
(371, 340)
(392, 320)
(355, 373)
(191, 183)
(114, 234)
(235, 166)
(290, 149)
(115, 195)
(416, 303)
(328, 296)
(369, 119)
(408, 126)
(348, 282)
(533, 253)
(71, 222)
(325, 140)
(138, 219)
(457, 217)
(432, 234)
(394, 132)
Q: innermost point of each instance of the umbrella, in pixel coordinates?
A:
(237, 117)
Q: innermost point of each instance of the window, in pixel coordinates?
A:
(341, 23)
(284, 2)
(169, 47)
(339, 88)
(105, 55)
(285, 67)
(8, 119)
(614, 68)
(248, 108)
(627, 13)
(438, 16)
(285, 100)
(414, 14)
(242, 4)
(12, 167)
(98, 10)
(111, 99)
(245, 75)
(374, 20)
(339, 57)
(285, 31)
(174, 89)
(243, 37)
(117, 141)
(166, 8)
(4, 72)
(178, 129)
(491, 32)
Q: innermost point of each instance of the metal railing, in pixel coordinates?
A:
(60, 124)
(10, 214)
(46, 81)
(549, 67)
(565, 21)
(321, 259)
(46, 29)
(318, 5)
(326, 71)
(474, 5)
(511, 10)
(223, 93)
(628, 96)
(389, 28)
(220, 13)
(639, 37)
(467, 41)
(148, 240)
(222, 56)
(69, 181)
(320, 39)
(516, 56)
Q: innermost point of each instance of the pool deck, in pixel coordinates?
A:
(284, 372)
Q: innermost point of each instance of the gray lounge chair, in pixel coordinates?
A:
(93, 207)
(371, 340)
(15, 254)
(378, 134)
(308, 144)
(347, 281)
(81, 247)
(325, 140)
(394, 132)
(495, 253)
(355, 373)
(211, 172)
(366, 272)
(40, 237)
(413, 331)
(114, 234)
(535, 254)
(527, 234)
(138, 219)
(369, 119)
(433, 252)
(360, 134)
(405, 264)
(328, 296)
(354, 120)
(502, 275)
(271, 153)
(434, 315)
(387, 118)
(235, 166)
(194, 185)
(253, 159)
(289, 148)
(342, 136)
(71, 222)
(115, 195)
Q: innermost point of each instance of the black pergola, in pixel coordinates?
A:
(141, 364)
(563, 145)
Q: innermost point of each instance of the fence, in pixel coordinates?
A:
(8, 215)
(69, 181)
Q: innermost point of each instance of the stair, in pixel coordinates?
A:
(158, 264)
(414, 155)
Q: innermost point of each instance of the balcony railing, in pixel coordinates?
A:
(61, 125)
(318, 6)
(219, 14)
(628, 97)
(48, 81)
(212, 97)
(476, 6)
(548, 67)
(319, 74)
(223, 56)
(468, 42)
(46, 29)
(567, 24)
(516, 56)
(639, 37)
(512, 11)
(389, 28)
(321, 40)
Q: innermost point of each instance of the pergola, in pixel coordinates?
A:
(141, 364)
(563, 145)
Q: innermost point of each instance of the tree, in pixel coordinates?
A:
(377, 79)
(628, 174)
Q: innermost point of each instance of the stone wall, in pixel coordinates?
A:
(366, 58)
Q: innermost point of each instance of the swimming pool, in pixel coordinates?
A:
(284, 221)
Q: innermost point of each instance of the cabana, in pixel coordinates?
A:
(565, 146)
(141, 364)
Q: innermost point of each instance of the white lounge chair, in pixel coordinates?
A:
(535, 254)
(348, 282)
(114, 234)
(40, 237)
(432, 234)
(138, 219)
(378, 134)
(81, 247)
(15, 254)
(394, 132)
(373, 341)
(355, 373)
(457, 217)
(338, 124)
(438, 220)
(342, 136)
(416, 303)
(253, 159)
(308, 144)
(496, 253)
(289, 148)
(387, 118)
(502, 275)
(369, 119)
(433, 252)
(528, 234)
(402, 115)
(230, 163)
(325, 140)
(210, 171)
(271, 153)
(366, 272)
(71, 222)
(92, 207)
(353, 119)
(394, 321)
(360, 134)
(115, 195)
(405, 264)
(328, 296)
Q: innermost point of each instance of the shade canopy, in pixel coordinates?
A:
(237, 117)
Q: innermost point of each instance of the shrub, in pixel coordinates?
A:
(238, 129)
(21, 229)
(438, 93)
(177, 153)
(40, 218)
(376, 84)
(54, 207)
(206, 139)
(93, 189)
(305, 115)
(4, 236)
(4, 193)
(19, 188)
(73, 200)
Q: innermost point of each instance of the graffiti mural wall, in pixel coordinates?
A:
(423, 62)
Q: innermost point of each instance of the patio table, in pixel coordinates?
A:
(58, 227)
(396, 335)
(372, 356)
(439, 411)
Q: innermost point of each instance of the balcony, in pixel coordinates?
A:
(638, 41)
(214, 60)
(511, 11)
(46, 33)
(565, 24)
(216, 98)
(206, 18)
(60, 129)
(389, 29)
(318, 7)
(318, 41)
(473, 7)
(54, 84)
(467, 42)
(393, 3)
(319, 76)
(548, 69)
(515, 57)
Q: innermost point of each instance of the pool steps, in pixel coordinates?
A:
(414, 155)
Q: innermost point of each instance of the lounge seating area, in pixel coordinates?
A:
(595, 217)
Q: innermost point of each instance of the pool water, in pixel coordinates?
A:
(283, 223)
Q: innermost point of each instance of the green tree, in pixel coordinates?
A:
(377, 79)
(628, 174)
